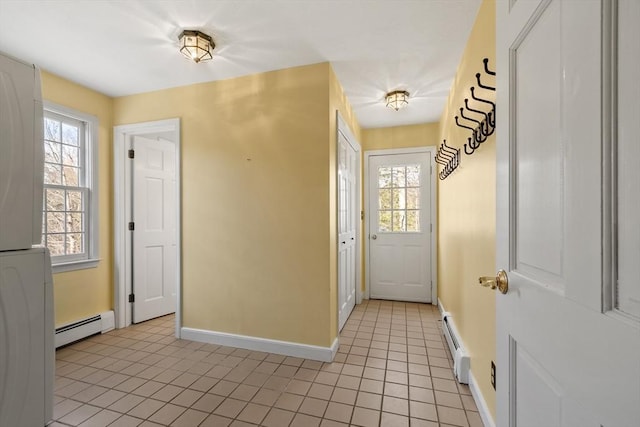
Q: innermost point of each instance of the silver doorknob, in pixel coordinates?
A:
(374, 237)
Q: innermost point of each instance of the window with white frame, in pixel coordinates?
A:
(70, 208)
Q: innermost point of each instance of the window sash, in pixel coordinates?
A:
(67, 144)
(80, 145)
(64, 213)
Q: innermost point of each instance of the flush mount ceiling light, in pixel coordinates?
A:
(397, 99)
(196, 46)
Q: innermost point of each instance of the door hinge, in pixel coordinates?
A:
(493, 374)
(132, 154)
(431, 228)
(132, 226)
(361, 215)
(132, 298)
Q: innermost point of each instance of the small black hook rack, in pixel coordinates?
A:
(481, 124)
(449, 158)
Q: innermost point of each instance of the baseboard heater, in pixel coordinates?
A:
(461, 361)
(75, 331)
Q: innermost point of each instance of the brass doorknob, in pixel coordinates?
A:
(501, 281)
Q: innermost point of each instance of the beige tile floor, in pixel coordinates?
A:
(392, 369)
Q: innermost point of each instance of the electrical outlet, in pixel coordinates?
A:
(493, 374)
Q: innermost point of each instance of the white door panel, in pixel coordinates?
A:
(565, 357)
(347, 223)
(154, 239)
(400, 227)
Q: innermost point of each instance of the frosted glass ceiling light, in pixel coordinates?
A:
(397, 99)
(196, 46)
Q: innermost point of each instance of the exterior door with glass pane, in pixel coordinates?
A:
(400, 227)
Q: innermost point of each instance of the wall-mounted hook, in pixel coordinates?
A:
(445, 146)
(471, 146)
(478, 136)
(486, 68)
(473, 95)
(486, 129)
(469, 118)
(463, 126)
(492, 117)
(439, 160)
(483, 86)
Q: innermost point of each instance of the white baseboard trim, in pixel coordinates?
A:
(461, 359)
(483, 409)
(286, 348)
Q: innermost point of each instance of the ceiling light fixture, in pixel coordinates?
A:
(196, 46)
(397, 99)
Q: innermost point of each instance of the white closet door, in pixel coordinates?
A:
(347, 223)
(154, 236)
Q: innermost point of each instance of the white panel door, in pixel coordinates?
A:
(347, 223)
(154, 236)
(567, 353)
(400, 227)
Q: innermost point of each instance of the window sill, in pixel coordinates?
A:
(75, 265)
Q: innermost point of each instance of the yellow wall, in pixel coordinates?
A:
(466, 214)
(257, 203)
(400, 136)
(83, 293)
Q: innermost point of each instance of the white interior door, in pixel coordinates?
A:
(400, 227)
(154, 236)
(568, 335)
(347, 223)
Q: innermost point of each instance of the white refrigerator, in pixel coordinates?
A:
(27, 350)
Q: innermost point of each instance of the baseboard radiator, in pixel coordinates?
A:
(75, 331)
(461, 361)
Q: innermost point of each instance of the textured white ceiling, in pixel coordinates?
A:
(120, 47)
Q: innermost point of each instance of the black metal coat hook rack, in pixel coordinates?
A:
(482, 124)
(449, 158)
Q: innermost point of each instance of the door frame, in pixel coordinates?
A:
(122, 197)
(343, 128)
(431, 150)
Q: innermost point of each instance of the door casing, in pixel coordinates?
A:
(122, 207)
(434, 198)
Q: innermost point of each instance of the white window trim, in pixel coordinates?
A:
(91, 164)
